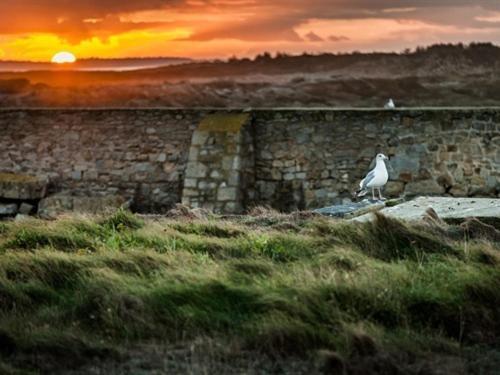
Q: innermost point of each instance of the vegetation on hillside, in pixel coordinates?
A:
(264, 293)
(439, 75)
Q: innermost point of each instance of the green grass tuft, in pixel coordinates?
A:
(85, 289)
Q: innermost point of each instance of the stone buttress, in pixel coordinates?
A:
(220, 173)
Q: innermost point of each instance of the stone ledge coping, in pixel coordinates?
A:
(247, 110)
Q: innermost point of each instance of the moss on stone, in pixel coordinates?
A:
(17, 178)
(224, 122)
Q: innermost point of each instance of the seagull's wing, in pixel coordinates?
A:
(369, 177)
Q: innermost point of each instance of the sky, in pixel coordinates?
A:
(36, 29)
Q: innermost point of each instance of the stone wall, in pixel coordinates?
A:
(140, 154)
(289, 159)
(313, 158)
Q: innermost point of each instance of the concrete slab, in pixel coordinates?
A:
(445, 207)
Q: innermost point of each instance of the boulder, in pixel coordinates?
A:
(62, 203)
(22, 187)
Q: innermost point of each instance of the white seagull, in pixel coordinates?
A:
(390, 104)
(375, 179)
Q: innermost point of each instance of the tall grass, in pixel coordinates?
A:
(83, 287)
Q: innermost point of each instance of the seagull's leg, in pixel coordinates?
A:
(373, 193)
(380, 194)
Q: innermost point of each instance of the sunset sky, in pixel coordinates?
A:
(37, 29)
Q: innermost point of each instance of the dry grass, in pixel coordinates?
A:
(265, 291)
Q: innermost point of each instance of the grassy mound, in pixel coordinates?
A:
(295, 294)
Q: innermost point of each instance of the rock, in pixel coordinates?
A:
(199, 137)
(26, 208)
(394, 188)
(21, 217)
(19, 186)
(424, 187)
(227, 194)
(55, 205)
(8, 209)
(458, 191)
(444, 208)
(350, 210)
(196, 170)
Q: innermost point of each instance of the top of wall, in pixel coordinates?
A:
(255, 110)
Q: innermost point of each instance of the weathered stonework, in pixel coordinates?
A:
(22, 187)
(62, 203)
(315, 158)
(220, 171)
(289, 159)
(138, 154)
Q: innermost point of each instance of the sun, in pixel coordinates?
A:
(63, 57)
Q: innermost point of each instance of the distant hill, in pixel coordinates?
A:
(94, 64)
(439, 75)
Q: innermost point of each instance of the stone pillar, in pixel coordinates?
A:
(220, 173)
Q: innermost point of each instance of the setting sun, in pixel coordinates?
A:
(63, 58)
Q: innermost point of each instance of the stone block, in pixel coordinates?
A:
(394, 188)
(18, 186)
(424, 187)
(215, 174)
(62, 203)
(8, 209)
(76, 175)
(266, 155)
(199, 137)
(190, 182)
(227, 194)
(196, 170)
(26, 208)
(234, 178)
(458, 191)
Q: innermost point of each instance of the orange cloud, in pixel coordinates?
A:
(35, 29)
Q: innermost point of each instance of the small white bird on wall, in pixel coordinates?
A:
(375, 179)
(390, 104)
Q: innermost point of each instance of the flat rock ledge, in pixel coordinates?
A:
(445, 208)
(350, 210)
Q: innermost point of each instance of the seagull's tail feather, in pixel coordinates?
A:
(360, 193)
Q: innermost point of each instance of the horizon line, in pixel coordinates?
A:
(276, 52)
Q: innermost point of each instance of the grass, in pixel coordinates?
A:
(256, 292)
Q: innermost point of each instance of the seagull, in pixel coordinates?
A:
(390, 104)
(375, 179)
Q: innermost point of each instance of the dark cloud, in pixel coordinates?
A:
(289, 14)
(252, 20)
(66, 17)
(338, 38)
(313, 37)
